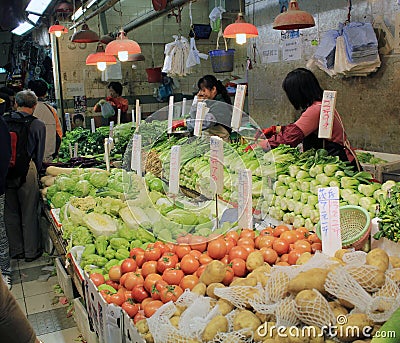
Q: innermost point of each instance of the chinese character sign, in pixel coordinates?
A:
(270, 54)
(328, 200)
(245, 200)
(174, 169)
(327, 114)
(291, 50)
(216, 165)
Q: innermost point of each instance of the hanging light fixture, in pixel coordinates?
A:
(123, 47)
(100, 59)
(293, 18)
(106, 39)
(57, 29)
(240, 29)
(85, 35)
(136, 58)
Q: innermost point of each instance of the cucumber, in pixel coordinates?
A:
(390, 331)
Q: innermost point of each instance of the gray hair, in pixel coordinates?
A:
(26, 99)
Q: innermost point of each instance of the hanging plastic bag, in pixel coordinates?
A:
(107, 110)
(216, 17)
(194, 55)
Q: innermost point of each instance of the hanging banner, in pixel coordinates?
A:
(327, 114)
(174, 169)
(245, 199)
(216, 165)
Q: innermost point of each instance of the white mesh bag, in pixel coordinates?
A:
(230, 317)
(187, 298)
(233, 337)
(319, 260)
(285, 313)
(366, 276)
(262, 304)
(389, 289)
(394, 275)
(355, 258)
(159, 325)
(381, 308)
(277, 284)
(239, 296)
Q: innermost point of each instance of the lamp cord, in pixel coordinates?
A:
(349, 12)
(240, 6)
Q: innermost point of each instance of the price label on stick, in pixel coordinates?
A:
(71, 154)
(200, 114)
(76, 150)
(216, 165)
(245, 199)
(92, 125)
(133, 118)
(68, 121)
(119, 116)
(328, 200)
(137, 110)
(174, 169)
(170, 113)
(136, 158)
(238, 107)
(111, 135)
(183, 113)
(107, 153)
(327, 115)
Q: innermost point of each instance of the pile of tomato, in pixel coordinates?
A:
(159, 274)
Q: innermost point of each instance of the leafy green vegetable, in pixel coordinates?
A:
(60, 199)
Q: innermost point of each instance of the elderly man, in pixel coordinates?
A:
(22, 189)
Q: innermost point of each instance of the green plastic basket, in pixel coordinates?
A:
(355, 225)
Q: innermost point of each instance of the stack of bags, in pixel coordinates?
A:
(325, 55)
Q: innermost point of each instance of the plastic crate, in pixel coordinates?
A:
(64, 280)
(82, 321)
(377, 170)
(104, 319)
(131, 335)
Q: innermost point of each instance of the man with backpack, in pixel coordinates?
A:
(28, 137)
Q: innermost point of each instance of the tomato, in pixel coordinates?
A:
(97, 278)
(164, 263)
(138, 255)
(150, 281)
(279, 230)
(269, 254)
(106, 296)
(152, 307)
(189, 264)
(229, 274)
(181, 240)
(232, 234)
(149, 267)
(245, 241)
(230, 243)
(129, 265)
(123, 278)
(225, 259)
(248, 233)
(313, 238)
(189, 281)
(201, 270)
(280, 246)
(114, 273)
(171, 293)
(145, 302)
(238, 252)
(205, 259)
(316, 247)
(132, 280)
(302, 245)
(266, 241)
(138, 317)
(172, 256)
(196, 254)
(257, 242)
(160, 285)
(289, 236)
(173, 276)
(127, 295)
(130, 308)
(113, 284)
(198, 243)
(171, 247)
(248, 248)
(293, 256)
(300, 235)
(268, 231)
(182, 250)
(160, 245)
(139, 293)
(238, 267)
(117, 299)
(152, 254)
(283, 264)
(303, 230)
(217, 249)
(284, 258)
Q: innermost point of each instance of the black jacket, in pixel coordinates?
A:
(5, 153)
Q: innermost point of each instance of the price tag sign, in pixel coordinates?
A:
(119, 116)
(174, 169)
(170, 113)
(76, 150)
(71, 154)
(111, 135)
(200, 114)
(68, 121)
(328, 200)
(327, 114)
(245, 199)
(183, 113)
(238, 107)
(216, 165)
(107, 153)
(137, 110)
(92, 125)
(136, 158)
(133, 118)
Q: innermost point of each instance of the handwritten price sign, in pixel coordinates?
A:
(174, 169)
(136, 158)
(328, 200)
(327, 114)
(217, 165)
(245, 200)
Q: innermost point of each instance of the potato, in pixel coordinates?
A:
(254, 260)
(339, 254)
(306, 296)
(49, 181)
(211, 287)
(354, 327)
(378, 258)
(175, 320)
(224, 306)
(337, 309)
(310, 279)
(394, 261)
(246, 320)
(179, 310)
(214, 272)
(142, 326)
(265, 268)
(304, 258)
(370, 278)
(269, 340)
(315, 335)
(217, 324)
(149, 338)
(249, 281)
(346, 304)
(394, 275)
(260, 276)
(297, 337)
(263, 317)
(200, 289)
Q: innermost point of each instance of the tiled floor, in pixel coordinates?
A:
(33, 288)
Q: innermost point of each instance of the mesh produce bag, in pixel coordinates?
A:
(239, 296)
(233, 337)
(230, 317)
(187, 298)
(366, 276)
(381, 308)
(277, 284)
(314, 311)
(159, 325)
(285, 313)
(319, 260)
(262, 304)
(394, 275)
(389, 289)
(342, 285)
(355, 258)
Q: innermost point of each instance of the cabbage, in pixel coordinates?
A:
(282, 178)
(291, 204)
(366, 202)
(288, 180)
(288, 218)
(323, 179)
(302, 174)
(312, 200)
(297, 195)
(388, 185)
(293, 186)
(330, 169)
(298, 222)
(368, 190)
(100, 224)
(293, 170)
(339, 174)
(304, 197)
(334, 183)
(298, 207)
(314, 216)
(354, 199)
(315, 170)
(82, 188)
(349, 182)
(99, 179)
(283, 204)
(281, 190)
(117, 185)
(305, 186)
(60, 199)
(306, 211)
(345, 193)
(378, 194)
(289, 193)
(51, 191)
(65, 184)
(309, 224)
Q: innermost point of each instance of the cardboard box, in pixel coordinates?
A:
(130, 333)
(104, 319)
(393, 163)
(82, 321)
(64, 280)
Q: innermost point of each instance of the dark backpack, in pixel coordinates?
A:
(19, 132)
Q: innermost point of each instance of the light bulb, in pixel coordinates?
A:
(101, 66)
(123, 56)
(240, 38)
(58, 33)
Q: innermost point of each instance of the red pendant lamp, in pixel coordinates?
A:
(85, 35)
(57, 29)
(100, 59)
(122, 47)
(293, 18)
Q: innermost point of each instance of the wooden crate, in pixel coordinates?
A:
(393, 163)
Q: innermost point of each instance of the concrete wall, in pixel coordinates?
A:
(369, 106)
